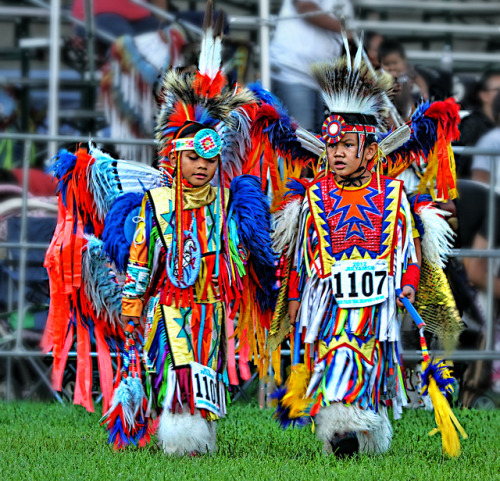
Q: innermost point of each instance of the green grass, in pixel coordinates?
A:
(53, 442)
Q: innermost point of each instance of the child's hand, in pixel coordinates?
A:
(293, 307)
(215, 282)
(127, 319)
(407, 292)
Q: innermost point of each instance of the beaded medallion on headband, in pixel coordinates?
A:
(207, 143)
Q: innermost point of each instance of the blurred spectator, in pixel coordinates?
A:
(40, 184)
(409, 87)
(10, 150)
(481, 163)
(468, 281)
(296, 45)
(481, 378)
(115, 17)
(372, 42)
(480, 120)
(121, 17)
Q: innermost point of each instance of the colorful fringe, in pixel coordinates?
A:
(126, 418)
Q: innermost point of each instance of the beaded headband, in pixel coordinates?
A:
(207, 143)
(335, 127)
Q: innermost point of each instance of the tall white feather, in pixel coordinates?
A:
(210, 54)
(359, 54)
(216, 57)
(347, 51)
(205, 49)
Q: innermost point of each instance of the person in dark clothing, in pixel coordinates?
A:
(480, 121)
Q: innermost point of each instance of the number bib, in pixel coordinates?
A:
(360, 283)
(209, 393)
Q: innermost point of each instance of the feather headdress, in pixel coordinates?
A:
(206, 98)
(356, 98)
(349, 87)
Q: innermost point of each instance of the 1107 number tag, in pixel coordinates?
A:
(360, 283)
(209, 393)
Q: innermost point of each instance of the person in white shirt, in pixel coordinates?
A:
(297, 44)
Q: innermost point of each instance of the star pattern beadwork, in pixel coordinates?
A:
(185, 330)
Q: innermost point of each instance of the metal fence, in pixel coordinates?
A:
(15, 348)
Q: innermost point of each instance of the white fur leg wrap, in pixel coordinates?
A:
(185, 433)
(374, 430)
(378, 440)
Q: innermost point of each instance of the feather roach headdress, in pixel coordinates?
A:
(355, 99)
(205, 98)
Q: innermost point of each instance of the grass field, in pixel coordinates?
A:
(53, 442)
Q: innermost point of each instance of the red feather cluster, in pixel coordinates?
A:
(181, 113)
(205, 86)
(446, 112)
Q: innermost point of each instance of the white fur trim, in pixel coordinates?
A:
(184, 433)
(377, 441)
(374, 430)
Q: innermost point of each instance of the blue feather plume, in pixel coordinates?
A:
(251, 209)
(60, 168)
(296, 187)
(262, 94)
(277, 124)
(116, 240)
(423, 134)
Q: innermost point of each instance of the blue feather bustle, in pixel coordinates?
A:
(296, 187)
(251, 208)
(280, 129)
(423, 134)
(60, 167)
(116, 235)
(263, 94)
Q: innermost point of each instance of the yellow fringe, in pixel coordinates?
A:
(426, 182)
(276, 363)
(446, 421)
(296, 390)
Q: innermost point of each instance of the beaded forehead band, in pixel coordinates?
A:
(206, 143)
(335, 127)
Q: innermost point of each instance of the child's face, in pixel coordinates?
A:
(196, 170)
(342, 156)
(394, 64)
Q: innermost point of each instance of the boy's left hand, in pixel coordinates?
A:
(407, 292)
(215, 283)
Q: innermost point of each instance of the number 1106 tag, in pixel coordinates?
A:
(360, 283)
(209, 393)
